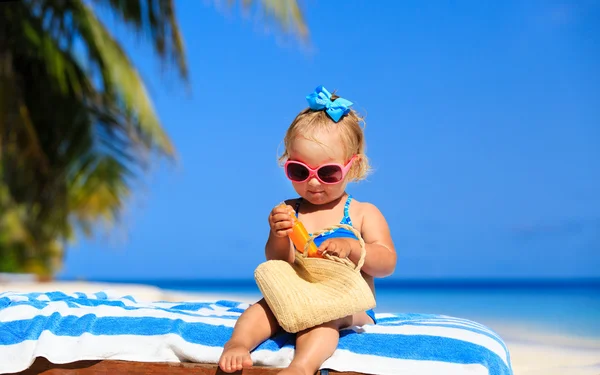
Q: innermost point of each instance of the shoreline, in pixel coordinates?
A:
(532, 352)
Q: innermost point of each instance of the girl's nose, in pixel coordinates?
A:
(313, 182)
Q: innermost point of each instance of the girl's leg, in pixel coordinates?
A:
(315, 345)
(253, 327)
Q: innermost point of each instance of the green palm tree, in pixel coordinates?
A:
(77, 126)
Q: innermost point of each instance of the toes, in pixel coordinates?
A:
(227, 364)
(237, 363)
(232, 361)
(247, 361)
(222, 362)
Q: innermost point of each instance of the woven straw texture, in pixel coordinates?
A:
(313, 291)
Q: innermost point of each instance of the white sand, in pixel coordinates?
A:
(532, 353)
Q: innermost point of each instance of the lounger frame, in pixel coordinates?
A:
(109, 367)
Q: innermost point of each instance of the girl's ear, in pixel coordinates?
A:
(360, 168)
(357, 167)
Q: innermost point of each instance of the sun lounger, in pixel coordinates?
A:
(97, 333)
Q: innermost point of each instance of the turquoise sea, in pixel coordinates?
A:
(556, 307)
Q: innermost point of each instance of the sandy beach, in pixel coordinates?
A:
(532, 353)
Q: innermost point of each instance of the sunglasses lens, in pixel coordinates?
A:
(297, 172)
(330, 174)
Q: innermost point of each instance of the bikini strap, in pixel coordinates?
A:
(346, 219)
(298, 201)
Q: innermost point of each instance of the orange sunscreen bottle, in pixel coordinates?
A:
(300, 236)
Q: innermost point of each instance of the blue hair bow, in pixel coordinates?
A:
(321, 99)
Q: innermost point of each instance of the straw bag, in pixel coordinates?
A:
(312, 291)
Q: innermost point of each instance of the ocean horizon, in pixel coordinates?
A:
(561, 307)
(385, 283)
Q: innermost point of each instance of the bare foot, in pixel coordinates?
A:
(235, 358)
(292, 370)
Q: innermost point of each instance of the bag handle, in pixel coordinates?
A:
(346, 261)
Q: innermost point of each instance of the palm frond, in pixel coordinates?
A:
(287, 13)
(106, 64)
(100, 190)
(120, 78)
(49, 111)
(76, 121)
(156, 20)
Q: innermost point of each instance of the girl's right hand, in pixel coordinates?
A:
(281, 220)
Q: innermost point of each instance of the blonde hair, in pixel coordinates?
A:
(349, 127)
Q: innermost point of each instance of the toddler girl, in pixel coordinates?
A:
(324, 150)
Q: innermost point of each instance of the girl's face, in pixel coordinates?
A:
(314, 155)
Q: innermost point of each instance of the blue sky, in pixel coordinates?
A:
(483, 126)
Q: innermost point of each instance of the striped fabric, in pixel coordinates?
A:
(70, 327)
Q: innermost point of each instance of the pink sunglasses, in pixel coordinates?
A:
(331, 173)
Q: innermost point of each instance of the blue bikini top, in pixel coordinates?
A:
(337, 232)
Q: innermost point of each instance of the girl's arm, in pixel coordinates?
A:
(280, 248)
(380, 260)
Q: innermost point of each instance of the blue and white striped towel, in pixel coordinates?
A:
(67, 328)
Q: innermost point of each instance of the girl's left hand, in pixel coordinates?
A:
(339, 247)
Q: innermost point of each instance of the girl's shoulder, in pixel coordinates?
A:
(360, 206)
(364, 210)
